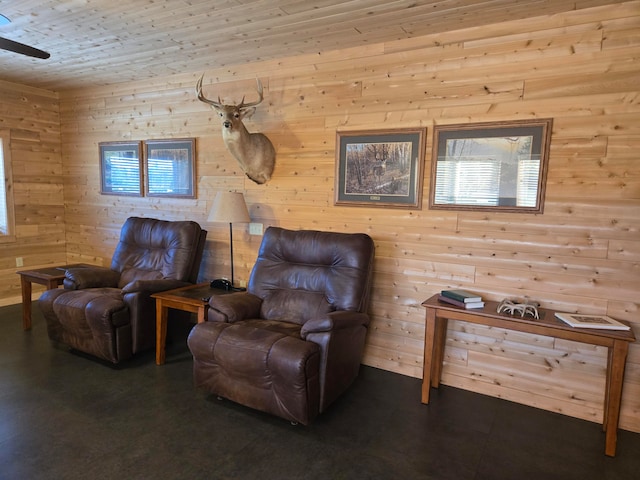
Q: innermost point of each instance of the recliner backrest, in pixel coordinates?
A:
(302, 274)
(153, 249)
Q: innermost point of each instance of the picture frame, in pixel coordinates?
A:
(169, 166)
(380, 168)
(496, 166)
(120, 168)
(585, 320)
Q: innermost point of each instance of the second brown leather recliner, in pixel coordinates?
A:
(293, 342)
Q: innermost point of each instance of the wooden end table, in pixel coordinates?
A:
(616, 341)
(50, 277)
(192, 298)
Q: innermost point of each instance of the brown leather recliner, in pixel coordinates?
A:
(109, 312)
(293, 342)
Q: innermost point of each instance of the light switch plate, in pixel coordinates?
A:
(255, 229)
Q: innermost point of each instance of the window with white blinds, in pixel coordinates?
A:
(468, 181)
(169, 176)
(472, 181)
(528, 178)
(7, 221)
(122, 173)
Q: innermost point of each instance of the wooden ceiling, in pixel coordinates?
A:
(102, 42)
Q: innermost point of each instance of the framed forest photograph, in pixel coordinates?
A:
(380, 168)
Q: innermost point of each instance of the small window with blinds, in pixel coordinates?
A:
(7, 218)
(490, 166)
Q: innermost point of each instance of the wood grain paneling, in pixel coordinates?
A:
(101, 42)
(582, 254)
(31, 116)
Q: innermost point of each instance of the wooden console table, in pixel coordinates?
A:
(617, 342)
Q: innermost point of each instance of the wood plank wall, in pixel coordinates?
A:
(32, 118)
(580, 68)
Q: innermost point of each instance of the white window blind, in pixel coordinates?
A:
(161, 176)
(528, 177)
(123, 174)
(4, 224)
(7, 221)
(468, 181)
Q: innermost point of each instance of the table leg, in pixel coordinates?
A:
(25, 285)
(438, 352)
(607, 389)
(613, 396)
(202, 313)
(429, 341)
(162, 314)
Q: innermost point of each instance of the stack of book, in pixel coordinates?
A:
(461, 298)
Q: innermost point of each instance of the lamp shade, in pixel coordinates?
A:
(229, 207)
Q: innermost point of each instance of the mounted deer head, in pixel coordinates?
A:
(253, 151)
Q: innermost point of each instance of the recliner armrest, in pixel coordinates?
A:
(234, 307)
(153, 286)
(90, 277)
(332, 321)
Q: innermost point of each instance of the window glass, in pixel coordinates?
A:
(6, 190)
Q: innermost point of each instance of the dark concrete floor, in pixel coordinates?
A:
(64, 416)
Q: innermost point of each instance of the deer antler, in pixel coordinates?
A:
(204, 99)
(219, 104)
(257, 102)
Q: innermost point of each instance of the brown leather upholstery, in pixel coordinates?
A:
(293, 342)
(109, 312)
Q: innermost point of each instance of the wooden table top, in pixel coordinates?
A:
(547, 323)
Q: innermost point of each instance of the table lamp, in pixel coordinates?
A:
(228, 207)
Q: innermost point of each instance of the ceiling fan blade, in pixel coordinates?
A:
(23, 49)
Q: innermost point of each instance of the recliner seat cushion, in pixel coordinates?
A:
(294, 305)
(285, 328)
(129, 275)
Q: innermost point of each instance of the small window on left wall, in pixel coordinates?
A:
(7, 216)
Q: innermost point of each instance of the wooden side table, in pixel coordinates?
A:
(50, 277)
(192, 298)
(616, 341)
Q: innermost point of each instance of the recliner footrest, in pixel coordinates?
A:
(262, 369)
(92, 320)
